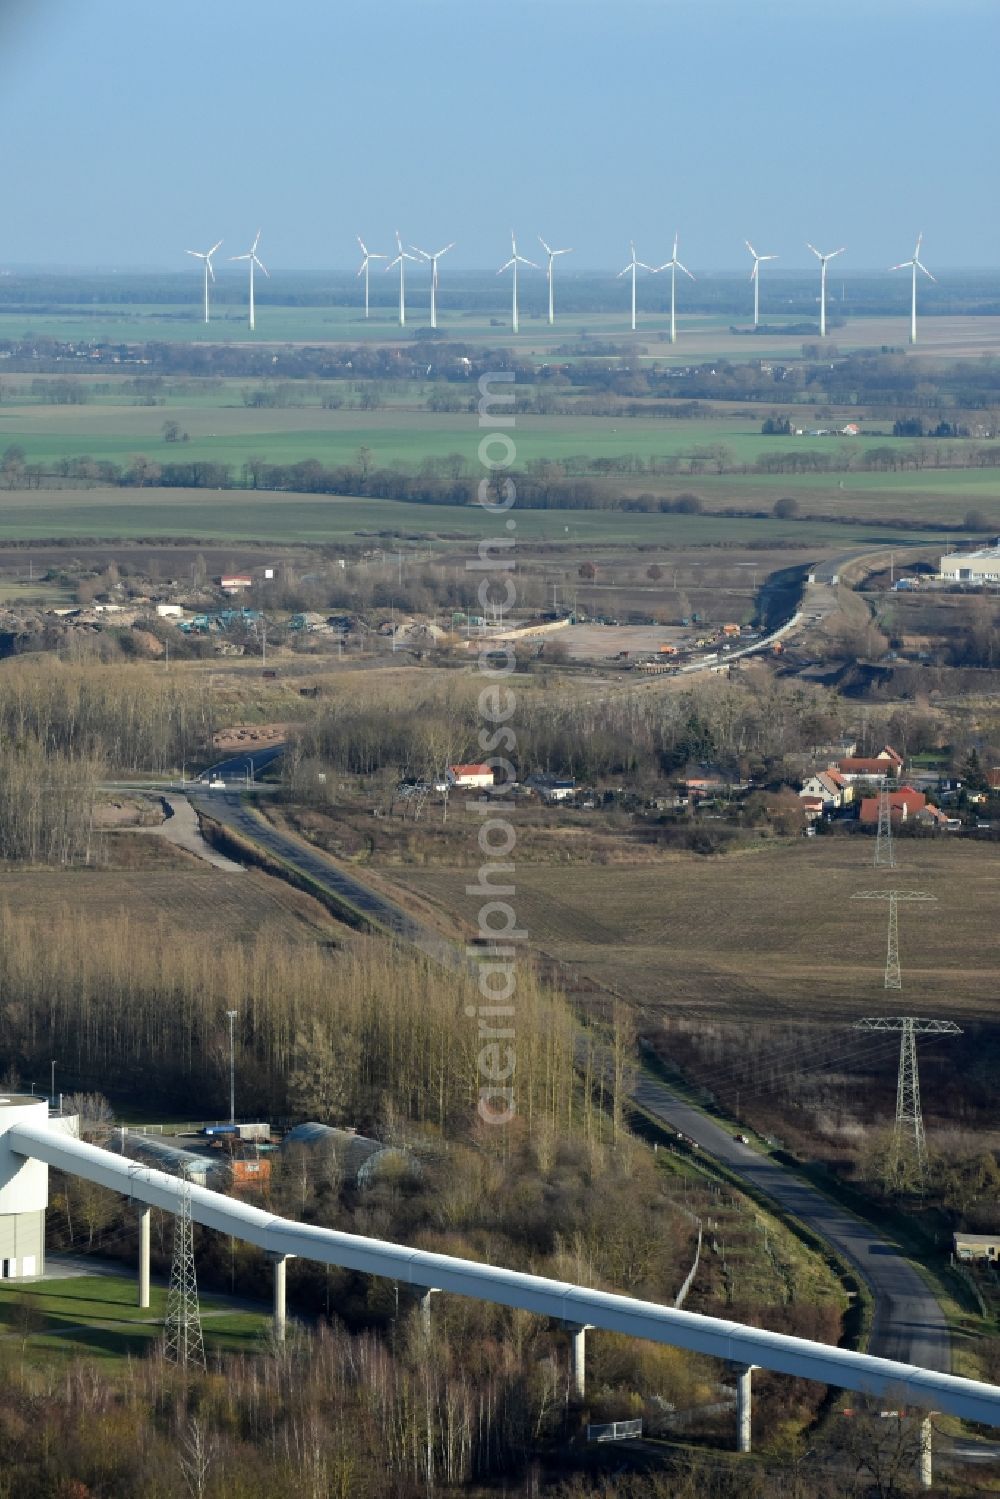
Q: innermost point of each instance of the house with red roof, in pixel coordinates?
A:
(470, 777)
(903, 804)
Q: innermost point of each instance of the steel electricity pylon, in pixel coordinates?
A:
(893, 974)
(885, 853)
(182, 1337)
(908, 1152)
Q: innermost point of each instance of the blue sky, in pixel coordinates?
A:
(135, 129)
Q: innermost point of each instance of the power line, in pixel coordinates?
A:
(183, 1343)
(909, 1145)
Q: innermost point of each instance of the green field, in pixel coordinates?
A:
(701, 336)
(97, 1314)
(240, 515)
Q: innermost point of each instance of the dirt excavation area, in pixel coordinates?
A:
(250, 736)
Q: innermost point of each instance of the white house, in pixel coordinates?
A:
(829, 786)
(470, 777)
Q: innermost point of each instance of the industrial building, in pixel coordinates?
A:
(977, 568)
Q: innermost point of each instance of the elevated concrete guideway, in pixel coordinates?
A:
(25, 1141)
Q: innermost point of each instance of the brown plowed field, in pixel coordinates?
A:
(767, 933)
(193, 903)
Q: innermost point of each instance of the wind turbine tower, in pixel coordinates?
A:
(254, 260)
(551, 258)
(433, 260)
(823, 260)
(633, 266)
(513, 263)
(206, 256)
(755, 278)
(914, 265)
(363, 268)
(673, 265)
(402, 256)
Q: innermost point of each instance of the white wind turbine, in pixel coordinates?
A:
(552, 255)
(363, 269)
(822, 282)
(402, 256)
(673, 265)
(206, 256)
(916, 264)
(254, 260)
(632, 266)
(515, 260)
(433, 261)
(755, 278)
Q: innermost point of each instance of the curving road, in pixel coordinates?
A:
(909, 1325)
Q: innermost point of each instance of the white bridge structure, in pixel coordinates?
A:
(30, 1143)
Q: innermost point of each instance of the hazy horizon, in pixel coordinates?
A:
(143, 132)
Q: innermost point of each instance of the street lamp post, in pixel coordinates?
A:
(52, 1089)
(232, 1065)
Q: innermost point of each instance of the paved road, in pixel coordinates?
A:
(227, 808)
(909, 1324)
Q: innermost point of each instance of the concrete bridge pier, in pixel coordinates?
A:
(926, 1465)
(144, 1256)
(424, 1294)
(280, 1263)
(743, 1406)
(578, 1357)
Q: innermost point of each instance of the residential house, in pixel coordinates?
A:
(933, 817)
(470, 777)
(812, 806)
(235, 582)
(886, 764)
(903, 804)
(976, 1246)
(830, 786)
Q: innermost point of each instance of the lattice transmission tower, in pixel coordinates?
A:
(893, 972)
(908, 1151)
(885, 852)
(183, 1343)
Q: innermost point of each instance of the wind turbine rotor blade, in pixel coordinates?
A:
(239, 257)
(753, 273)
(208, 267)
(547, 248)
(922, 267)
(364, 247)
(505, 267)
(916, 248)
(684, 268)
(904, 265)
(644, 267)
(198, 254)
(767, 257)
(836, 252)
(815, 251)
(624, 272)
(256, 242)
(445, 250)
(258, 261)
(422, 253)
(563, 252)
(392, 264)
(750, 247)
(216, 247)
